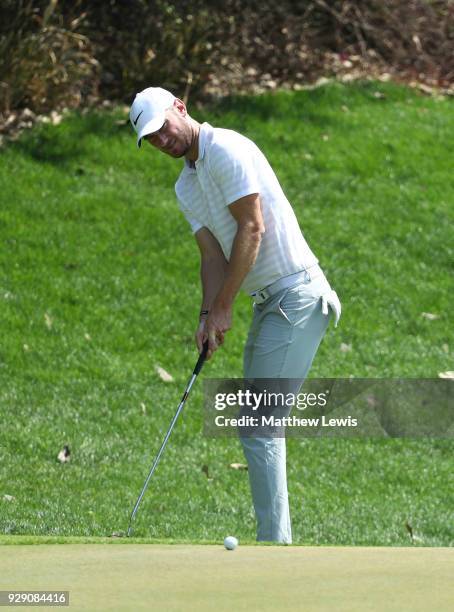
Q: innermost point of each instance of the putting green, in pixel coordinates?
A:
(185, 577)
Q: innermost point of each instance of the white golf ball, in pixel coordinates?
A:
(230, 543)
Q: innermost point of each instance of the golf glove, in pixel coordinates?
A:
(330, 299)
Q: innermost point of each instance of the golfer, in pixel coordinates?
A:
(249, 239)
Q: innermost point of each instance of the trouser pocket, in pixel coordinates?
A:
(297, 302)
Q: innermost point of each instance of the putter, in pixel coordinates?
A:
(197, 369)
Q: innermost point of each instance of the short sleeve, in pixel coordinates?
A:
(189, 216)
(195, 225)
(232, 168)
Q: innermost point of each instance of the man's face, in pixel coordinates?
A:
(175, 136)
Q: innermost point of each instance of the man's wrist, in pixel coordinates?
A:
(224, 300)
(203, 316)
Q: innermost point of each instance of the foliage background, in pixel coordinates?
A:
(56, 54)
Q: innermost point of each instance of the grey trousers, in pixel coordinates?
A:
(283, 339)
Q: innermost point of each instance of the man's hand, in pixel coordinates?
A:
(218, 323)
(200, 335)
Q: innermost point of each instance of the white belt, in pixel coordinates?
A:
(286, 282)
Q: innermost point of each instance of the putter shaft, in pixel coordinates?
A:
(197, 369)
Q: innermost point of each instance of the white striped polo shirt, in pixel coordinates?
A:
(229, 167)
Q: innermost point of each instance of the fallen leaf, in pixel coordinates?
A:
(430, 316)
(56, 118)
(345, 348)
(165, 376)
(64, 454)
(11, 119)
(409, 529)
(9, 498)
(321, 81)
(48, 321)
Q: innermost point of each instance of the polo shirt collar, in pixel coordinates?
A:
(205, 132)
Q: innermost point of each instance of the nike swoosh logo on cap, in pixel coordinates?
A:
(137, 118)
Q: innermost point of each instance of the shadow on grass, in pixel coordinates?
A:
(70, 141)
(316, 106)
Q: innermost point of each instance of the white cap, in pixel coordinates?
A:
(147, 112)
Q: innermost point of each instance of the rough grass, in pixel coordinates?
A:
(99, 283)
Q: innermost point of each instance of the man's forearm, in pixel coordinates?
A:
(212, 273)
(244, 252)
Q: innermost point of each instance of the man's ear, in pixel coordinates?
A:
(180, 107)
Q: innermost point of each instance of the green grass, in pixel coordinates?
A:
(99, 283)
(203, 578)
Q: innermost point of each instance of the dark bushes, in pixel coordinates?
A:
(44, 62)
(66, 53)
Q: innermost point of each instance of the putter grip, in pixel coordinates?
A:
(202, 358)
